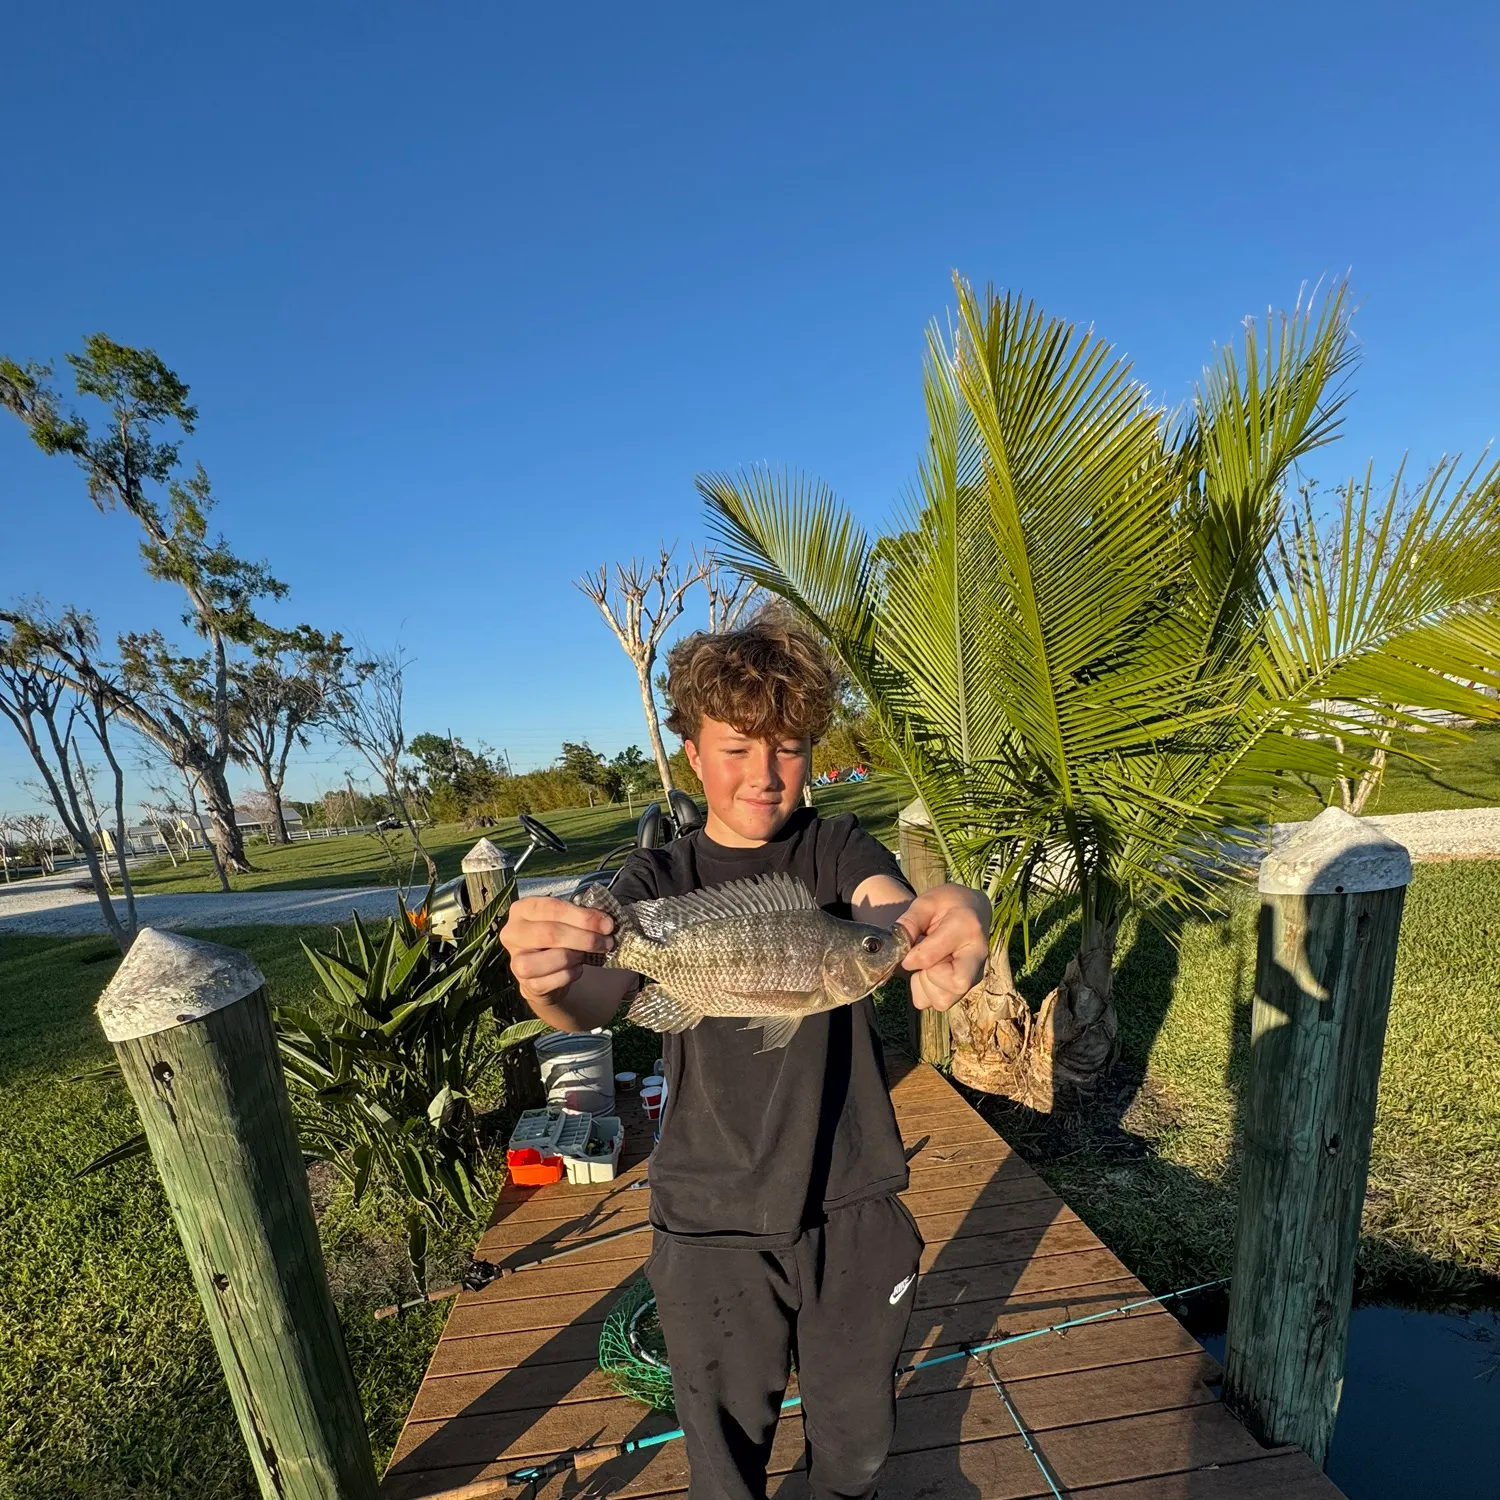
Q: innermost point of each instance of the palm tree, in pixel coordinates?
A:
(1099, 641)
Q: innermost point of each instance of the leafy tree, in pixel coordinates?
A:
(278, 695)
(181, 701)
(630, 774)
(1099, 642)
(589, 767)
(459, 780)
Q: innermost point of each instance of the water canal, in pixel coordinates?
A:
(1420, 1414)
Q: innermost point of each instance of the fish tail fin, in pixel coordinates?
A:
(657, 1010)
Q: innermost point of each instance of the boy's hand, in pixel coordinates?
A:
(547, 939)
(950, 932)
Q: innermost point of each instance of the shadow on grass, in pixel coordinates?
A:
(1173, 1225)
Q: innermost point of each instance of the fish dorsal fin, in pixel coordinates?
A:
(761, 895)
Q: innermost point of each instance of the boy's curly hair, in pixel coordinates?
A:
(767, 679)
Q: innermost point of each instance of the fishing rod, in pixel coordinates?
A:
(482, 1272)
(580, 1460)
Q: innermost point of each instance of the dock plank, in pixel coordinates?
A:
(1124, 1408)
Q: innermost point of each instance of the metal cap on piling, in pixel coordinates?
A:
(1335, 854)
(485, 856)
(169, 980)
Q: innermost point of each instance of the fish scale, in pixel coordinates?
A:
(761, 949)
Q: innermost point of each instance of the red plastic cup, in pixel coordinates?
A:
(651, 1102)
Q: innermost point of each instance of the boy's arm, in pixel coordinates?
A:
(950, 931)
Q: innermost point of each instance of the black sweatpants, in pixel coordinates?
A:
(838, 1302)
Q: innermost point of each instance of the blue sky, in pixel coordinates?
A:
(467, 293)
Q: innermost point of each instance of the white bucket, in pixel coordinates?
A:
(578, 1070)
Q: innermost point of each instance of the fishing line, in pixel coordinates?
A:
(588, 1458)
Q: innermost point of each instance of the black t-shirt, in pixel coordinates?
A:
(756, 1146)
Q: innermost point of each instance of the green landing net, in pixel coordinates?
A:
(632, 1351)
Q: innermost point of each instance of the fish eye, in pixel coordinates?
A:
(871, 944)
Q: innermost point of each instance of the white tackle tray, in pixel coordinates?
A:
(539, 1130)
(604, 1132)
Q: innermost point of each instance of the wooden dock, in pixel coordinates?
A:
(1123, 1409)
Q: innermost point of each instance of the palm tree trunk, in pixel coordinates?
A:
(1076, 1038)
(1052, 1061)
(990, 1028)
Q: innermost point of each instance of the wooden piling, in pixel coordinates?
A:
(191, 1027)
(1331, 901)
(487, 871)
(923, 865)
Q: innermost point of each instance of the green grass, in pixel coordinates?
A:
(358, 859)
(1464, 773)
(109, 1383)
(1153, 1166)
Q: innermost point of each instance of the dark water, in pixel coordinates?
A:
(1420, 1414)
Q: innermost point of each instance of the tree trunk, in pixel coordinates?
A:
(1052, 1061)
(276, 829)
(213, 848)
(225, 832)
(653, 728)
(990, 1028)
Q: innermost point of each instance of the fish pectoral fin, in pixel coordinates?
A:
(776, 1031)
(657, 1010)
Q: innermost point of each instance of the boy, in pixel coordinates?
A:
(777, 1232)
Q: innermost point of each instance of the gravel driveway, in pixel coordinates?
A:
(54, 905)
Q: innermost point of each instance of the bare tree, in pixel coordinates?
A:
(730, 595)
(645, 601)
(40, 832)
(48, 715)
(365, 711)
(277, 697)
(167, 830)
(7, 828)
(180, 701)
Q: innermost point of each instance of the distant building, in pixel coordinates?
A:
(253, 825)
(147, 838)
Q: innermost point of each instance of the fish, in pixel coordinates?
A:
(761, 949)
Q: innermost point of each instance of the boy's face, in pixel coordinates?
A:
(752, 786)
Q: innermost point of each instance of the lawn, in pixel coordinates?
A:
(109, 1381)
(1464, 773)
(1153, 1167)
(590, 833)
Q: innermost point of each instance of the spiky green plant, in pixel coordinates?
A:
(388, 1077)
(1099, 640)
(389, 1070)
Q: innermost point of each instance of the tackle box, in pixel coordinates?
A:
(532, 1156)
(591, 1147)
(548, 1142)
